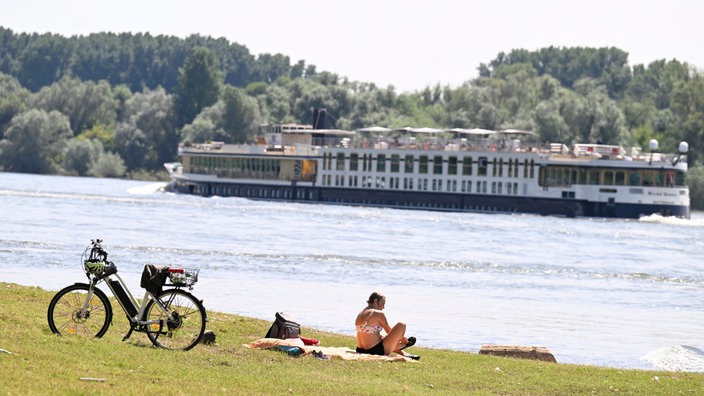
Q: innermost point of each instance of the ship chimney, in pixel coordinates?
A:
(319, 119)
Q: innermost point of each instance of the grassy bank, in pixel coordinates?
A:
(42, 363)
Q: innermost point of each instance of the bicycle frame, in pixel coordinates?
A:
(132, 308)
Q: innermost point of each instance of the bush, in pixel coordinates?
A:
(108, 165)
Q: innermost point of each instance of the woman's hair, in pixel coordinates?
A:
(375, 296)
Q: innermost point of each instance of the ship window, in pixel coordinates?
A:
(620, 178)
(493, 167)
(608, 178)
(408, 164)
(381, 163)
(340, 162)
(501, 166)
(354, 162)
(482, 166)
(408, 183)
(634, 178)
(532, 169)
(648, 178)
(593, 176)
(510, 167)
(452, 166)
(437, 165)
(423, 164)
(395, 163)
(467, 165)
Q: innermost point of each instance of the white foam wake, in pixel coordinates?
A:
(677, 221)
(677, 358)
(147, 189)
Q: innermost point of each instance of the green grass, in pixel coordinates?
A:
(43, 363)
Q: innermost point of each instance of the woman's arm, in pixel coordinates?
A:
(383, 322)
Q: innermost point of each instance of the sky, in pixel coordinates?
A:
(410, 44)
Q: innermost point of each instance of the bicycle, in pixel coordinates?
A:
(172, 318)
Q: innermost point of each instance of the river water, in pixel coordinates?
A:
(615, 293)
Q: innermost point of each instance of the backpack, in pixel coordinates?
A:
(284, 327)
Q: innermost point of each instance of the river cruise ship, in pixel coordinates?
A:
(459, 170)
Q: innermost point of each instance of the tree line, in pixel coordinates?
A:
(118, 105)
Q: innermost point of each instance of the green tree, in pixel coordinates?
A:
(240, 115)
(80, 156)
(277, 103)
(101, 133)
(688, 107)
(44, 60)
(270, 67)
(208, 126)
(13, 98)
(34, 142)
(695, 181)
(199, 84)
(146, 137)
(85, 103)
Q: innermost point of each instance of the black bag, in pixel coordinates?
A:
(153, 278)
(284, 327)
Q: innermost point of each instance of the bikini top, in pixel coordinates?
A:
(366, 328)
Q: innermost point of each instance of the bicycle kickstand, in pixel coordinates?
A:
(129, 333)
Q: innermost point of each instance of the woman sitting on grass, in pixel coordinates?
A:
(369, 324)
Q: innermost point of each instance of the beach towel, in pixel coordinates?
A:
(343, 353)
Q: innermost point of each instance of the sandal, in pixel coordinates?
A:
(411, 342)
(414, 357)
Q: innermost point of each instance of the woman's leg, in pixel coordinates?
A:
(391, 341)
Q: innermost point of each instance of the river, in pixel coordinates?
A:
(614, 293)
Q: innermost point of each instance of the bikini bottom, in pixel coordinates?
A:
(377, 349)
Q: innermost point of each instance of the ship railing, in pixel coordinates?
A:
(481, 145)
(599, 151)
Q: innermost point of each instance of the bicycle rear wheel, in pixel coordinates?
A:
(67, 317)
(184, 328)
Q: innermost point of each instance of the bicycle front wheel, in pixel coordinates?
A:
(71, 313)
(184, 321)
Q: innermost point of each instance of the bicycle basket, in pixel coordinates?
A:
(184, 277)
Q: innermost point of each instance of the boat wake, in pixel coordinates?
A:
(147, 189)
(677, 358)
(677, 221)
